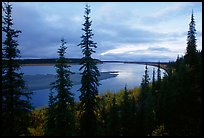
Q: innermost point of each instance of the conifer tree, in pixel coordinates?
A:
(144, 86)
(153, 80)
(50, 114)
(103, 116)
(158, 76)
(114, 124)
(191, 56)
(62, 105)
(125, 113)
(15, 98)
(159, 72)
(125, 99)
(142, 102)
(89, 79)
(179, 104)
(145, 79)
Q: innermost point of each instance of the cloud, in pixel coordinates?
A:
(124, 48)
(41, 34)
(139, 57)
(122, 31)
(119, 34)
(153, 51)
(158, 49)
(135, 50)
(170, 9)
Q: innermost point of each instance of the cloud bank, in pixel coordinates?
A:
(123, 31)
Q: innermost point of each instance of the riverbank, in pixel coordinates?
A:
(42, 81)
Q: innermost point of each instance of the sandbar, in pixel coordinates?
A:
(42, 81)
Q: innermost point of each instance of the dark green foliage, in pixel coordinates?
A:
(146, 103)
(190, 56)
(158, 84)
(144, 86)
(89, 80)
(50, 61)
(50, 114)
(114, 124)
(109, 116)
(125, 103)
(15, 98)
(125, 113)
(103, 116)
(119, 113)
(159, 72)
(169, 106)
(145, 80)
(179, 99)
(153, 81)
(60, 120)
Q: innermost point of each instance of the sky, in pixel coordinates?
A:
(127, 31)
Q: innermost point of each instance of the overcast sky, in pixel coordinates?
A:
(132, 31)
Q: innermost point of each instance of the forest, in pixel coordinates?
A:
(48, 61)
(166, 106)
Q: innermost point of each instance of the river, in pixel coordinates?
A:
(130, 74)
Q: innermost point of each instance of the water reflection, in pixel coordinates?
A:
(130, 74)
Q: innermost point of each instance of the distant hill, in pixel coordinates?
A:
(50, 61)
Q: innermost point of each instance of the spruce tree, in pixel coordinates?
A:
(125, 113)
(159, 72)
(114, 122)
(61, 106)
(158, 76)
(192, 57)
(144, 86)
(16, 106)
(142, 102)
(193, 79)
(145, 79)
(153, 80)
(191, 52)
(179, 102)
(50, 116)
(89, 79)
(125, 99)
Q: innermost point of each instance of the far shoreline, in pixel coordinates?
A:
(44, 64)
(47, 64)
(50, 64)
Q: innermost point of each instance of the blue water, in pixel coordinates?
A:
(130, 74)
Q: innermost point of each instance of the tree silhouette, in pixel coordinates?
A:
(63, 103)
(191, 56)
(153, 80)
(15, 98)
(89, 79)
(158, 84)
(179, 104)
(125, 112)
(142, 102)
(114, 124)
(50, 116)
(145, 79)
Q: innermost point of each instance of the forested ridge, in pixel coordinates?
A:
(48, 61)
(166, 106)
